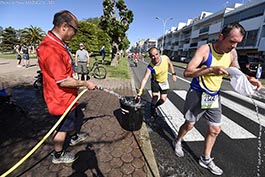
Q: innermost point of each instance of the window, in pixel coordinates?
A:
(251, 38)
(204, 30)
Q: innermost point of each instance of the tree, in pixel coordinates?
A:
(125, 44)
(91, 36)
(9, 39)
(32, 35)
(116, 25)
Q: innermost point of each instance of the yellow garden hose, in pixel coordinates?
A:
(45, 137)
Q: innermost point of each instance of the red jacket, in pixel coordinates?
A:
(56, 66)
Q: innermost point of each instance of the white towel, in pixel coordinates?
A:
(240, 82)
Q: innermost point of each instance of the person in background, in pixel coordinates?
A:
(18, 56)
(259, 71)
(59, 87)
(82, 62)
(158, 68)
(113, 52)
(25, 51)
(207, 68)
(135, 58)
(102, 53)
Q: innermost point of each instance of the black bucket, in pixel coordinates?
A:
(132, 113)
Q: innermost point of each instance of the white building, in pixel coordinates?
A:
(186, 38)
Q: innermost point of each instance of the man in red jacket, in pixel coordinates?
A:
(59, 87)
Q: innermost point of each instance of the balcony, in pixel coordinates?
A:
(202, 42)
(262, 44)
(204, 30)
(186, 47)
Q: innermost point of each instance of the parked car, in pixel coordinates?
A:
(180, 58)
(187, 60)
(249, 65)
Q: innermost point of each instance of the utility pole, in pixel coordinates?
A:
(164, 30)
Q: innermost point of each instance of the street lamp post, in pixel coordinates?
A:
(164, 30)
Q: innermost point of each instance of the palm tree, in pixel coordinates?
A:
(32, 35)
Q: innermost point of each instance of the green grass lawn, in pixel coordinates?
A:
(121, 71)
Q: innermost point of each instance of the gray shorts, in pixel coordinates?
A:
(82, 68)
(193, 110)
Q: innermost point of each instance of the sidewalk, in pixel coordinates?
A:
(109, 150)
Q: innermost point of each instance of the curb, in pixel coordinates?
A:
(146, 143)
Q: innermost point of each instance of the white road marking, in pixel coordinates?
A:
(174, 119)
(252, 115)
(245, 98)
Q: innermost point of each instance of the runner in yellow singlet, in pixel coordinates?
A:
(207, 68)
(158, 69)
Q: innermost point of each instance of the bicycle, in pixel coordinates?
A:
(97, 70)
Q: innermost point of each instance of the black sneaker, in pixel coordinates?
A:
(152, 119)
(154, 114)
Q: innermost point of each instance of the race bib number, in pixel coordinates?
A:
(208, 101)
(164, 85)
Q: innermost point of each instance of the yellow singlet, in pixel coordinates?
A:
(159, 72)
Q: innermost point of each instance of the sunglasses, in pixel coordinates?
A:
(74, 28)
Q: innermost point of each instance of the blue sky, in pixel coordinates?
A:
(23, 13)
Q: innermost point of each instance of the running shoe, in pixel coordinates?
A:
(178, 149)
(80, 137)
(209, 164)
(66, 157)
